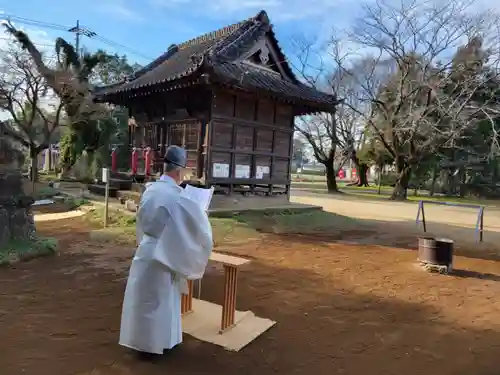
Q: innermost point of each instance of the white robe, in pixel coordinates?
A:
(175, 242)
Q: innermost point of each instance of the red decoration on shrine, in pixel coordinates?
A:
(135, 161)
(114, 160)
(147, 161)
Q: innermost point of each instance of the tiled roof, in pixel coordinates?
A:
(249, 78)
(216, 53)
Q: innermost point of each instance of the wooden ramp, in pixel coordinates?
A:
(204, 322)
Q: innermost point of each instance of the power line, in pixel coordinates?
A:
(30, 22)
(118, 45)
(36, 44)
(78, 30)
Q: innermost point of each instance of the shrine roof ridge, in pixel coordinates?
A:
(215, 55)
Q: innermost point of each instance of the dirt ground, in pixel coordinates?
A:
(344, 305)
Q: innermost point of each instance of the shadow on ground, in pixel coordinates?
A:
(327, 227)
(61, 316)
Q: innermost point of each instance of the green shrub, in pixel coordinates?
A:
(74, 203)
(45, 192)
(310, 172)
(389, 179)
(17, 250)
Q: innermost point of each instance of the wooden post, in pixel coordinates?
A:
(187, 299)
(421, 211)
(229, 305)
(105, 179)
(423, 218)
(481, 227)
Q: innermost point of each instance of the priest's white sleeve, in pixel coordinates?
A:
(152, 216)
(186, 242)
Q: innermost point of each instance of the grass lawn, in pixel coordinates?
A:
(321, 185)
(413, 198)
(370, 192)
(16, 251)
(240, 228)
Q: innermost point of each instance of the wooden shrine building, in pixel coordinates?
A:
(229, 97)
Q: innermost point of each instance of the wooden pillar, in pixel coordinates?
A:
(200, 164)
(229, 305)
(187, 299)
(290, 158)
(272, 171)
(232, 173)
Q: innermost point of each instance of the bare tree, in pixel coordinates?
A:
(23, 96)
(351, 125)
(328, 134)
(420, 107)
(338, 136)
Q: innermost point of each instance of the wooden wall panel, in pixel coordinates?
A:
(244, 137)
(224, 104)
(284, 115)
(264, 140)
(282, 143)
(222, 134)
(192, 136)
(176, 134)
(245, 108)
(281, 169)
(265, 111)
(251, 132)
(192, 159)
(221, 157)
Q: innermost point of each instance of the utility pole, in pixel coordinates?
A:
(80, 31)
(77, 37)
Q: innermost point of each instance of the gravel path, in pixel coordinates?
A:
(446, 220)
(58, 216)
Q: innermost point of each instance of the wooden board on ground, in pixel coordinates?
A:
(204, 324)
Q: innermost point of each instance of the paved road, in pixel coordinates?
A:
(58, 216)
(445, 217)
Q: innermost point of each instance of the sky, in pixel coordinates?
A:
(143, 30)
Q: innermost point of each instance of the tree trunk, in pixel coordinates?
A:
(462, 187)
(379, 183)
(362, 170)
(34, 165)
(331, 182)
(362, 174)
(47, 164)
(49, 150)
(433, 182)
(401, 188)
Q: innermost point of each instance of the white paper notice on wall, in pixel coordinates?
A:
(242, 171)
(220, 170)
(260, 171)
